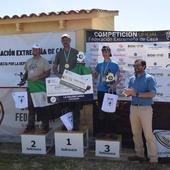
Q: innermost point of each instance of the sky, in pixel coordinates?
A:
(134, 15)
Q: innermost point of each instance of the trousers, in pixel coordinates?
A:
(141, 119)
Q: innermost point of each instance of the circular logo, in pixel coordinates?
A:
(53, 99)
(1, 112)
(163, 137)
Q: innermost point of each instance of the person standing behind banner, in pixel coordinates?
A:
(102, 70)
(67, 59)
(36, 70)
(142, 88)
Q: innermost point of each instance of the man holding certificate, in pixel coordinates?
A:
(67, 59)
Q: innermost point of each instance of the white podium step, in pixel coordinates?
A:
(108, 147)
(71, 143)
(37, 142)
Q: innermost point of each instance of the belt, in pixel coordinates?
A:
(139, 105)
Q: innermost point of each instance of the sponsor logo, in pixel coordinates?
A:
(156, 74)
(155, 63)
(52, 99)
(163, 137)
(135, 56)
(120, 48)
(135, 46)
(118, 55)
(155, 55)
(155, 46)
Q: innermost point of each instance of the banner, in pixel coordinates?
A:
(15, 50)
(126, 47)
(162, 138)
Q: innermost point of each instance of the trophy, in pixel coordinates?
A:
(110, 77)
(81, 57)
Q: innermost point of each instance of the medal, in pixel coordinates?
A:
(67, 55)
(67, 66)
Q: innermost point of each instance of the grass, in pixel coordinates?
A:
(48, 162)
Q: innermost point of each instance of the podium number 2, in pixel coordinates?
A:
(68, 141)
(107, 148)
(33, 144)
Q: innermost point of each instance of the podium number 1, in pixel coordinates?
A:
(68, 141)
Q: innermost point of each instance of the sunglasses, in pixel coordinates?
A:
(137, 65)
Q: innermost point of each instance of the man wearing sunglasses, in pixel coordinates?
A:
(142, 88)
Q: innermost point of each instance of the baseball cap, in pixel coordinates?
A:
(37, 46)
(65, 35)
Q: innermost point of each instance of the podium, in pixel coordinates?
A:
(108, 147)
(71, 143)
(37, 142)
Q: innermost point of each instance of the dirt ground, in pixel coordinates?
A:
(11, 158)
(32, 162)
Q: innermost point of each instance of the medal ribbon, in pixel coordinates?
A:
(67, 55)
(105, 68)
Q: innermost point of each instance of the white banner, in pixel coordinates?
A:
(15, 50)
(126, 47)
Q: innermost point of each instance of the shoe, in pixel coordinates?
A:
(100, 135)
(153, 166)
(109, 135)
(63, 128)
(136, 158)
(75, 129)
(44, 129)
(29, 128)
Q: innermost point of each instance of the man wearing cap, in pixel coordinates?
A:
(67, 59)
(36, 69)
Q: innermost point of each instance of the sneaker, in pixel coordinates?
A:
(153, 166)
(29, 128)
(44, 128)
(136, 158)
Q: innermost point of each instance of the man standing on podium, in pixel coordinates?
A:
(67, 59)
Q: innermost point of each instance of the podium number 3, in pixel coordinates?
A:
(68, 141)
(33, 144)
(107, 148)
